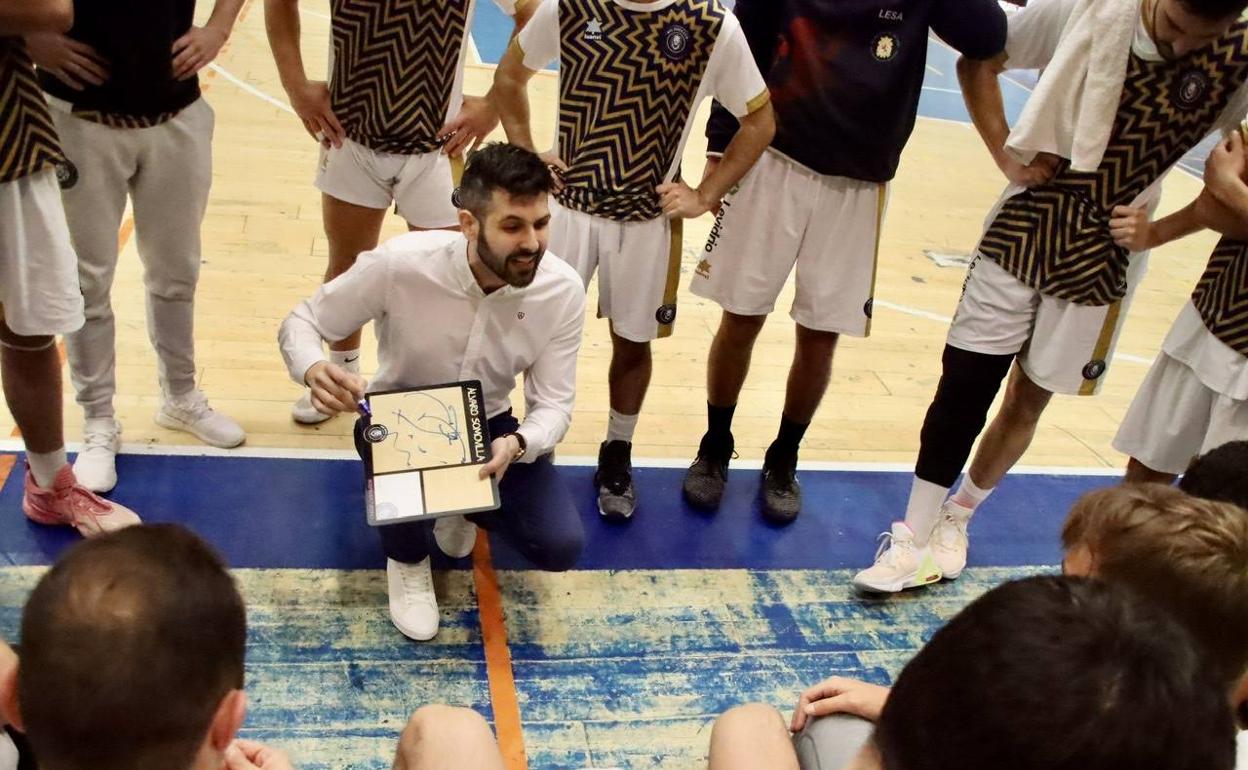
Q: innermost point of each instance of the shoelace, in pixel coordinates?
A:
(615, 472)
(942, 538)
(415, 580)
(99, 439)
(84, 502)
(886, 541)
(195, 404)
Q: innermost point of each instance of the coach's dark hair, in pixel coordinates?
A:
(1214, 10)
(1056, 673)
(498, 166)
(1220, 474)
(129, 644)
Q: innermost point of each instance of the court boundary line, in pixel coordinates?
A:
(501, 677)
(12, 446)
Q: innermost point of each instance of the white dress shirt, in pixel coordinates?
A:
(435, 325)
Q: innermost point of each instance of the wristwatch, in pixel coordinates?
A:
(524, 445)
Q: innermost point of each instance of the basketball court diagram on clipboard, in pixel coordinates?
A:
(427, 446)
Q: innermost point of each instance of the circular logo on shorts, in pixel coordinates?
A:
(869, 307)
(456, 200)
(1093, 369)
(675, 41)
(1192, 86)
(375, 434)
(884, 46)
(66, 174)
(666, 314)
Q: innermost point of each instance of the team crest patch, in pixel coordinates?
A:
(869, 307)
(666, 314)
(66, 174)
(1193, 85)
(456, 199)
(884, 46)
(1093, 369)
(676, 41)
(593, 30)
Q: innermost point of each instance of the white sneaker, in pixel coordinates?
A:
(191, 413)
(899, 564)
(96, 464)
(304, 413)
(413, 605)
(949, 540)
(455, 536)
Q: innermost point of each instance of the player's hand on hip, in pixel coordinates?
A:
(1039, 171)
(465, 132)
(194, 50)
(311, 103)
(557, 168)
(502, 451)
(680, 201)
(1131, 227)
(334, 389)
(74, 63)
(712, 163)
(839, 695)
(1224, 169)
(249, 755)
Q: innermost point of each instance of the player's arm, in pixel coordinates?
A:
(336, 311)
(755, 134)
(761, 21)
(17, 17)
(309, 98)
(981, 90)
(511, 97)
(200, 45)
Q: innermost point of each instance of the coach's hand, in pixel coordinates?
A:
(463, 133)
(73, 63)
(310, 101)
(680, 201)
(249, 755)
(840, 696)
(194, 50)
(557, 169)
(1131, 228)
(334, 389)
(1038, 172)
(503, 451)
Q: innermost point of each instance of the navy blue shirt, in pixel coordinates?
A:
(136, 37)
(845, 75)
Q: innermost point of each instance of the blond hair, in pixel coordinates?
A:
(1187, 554)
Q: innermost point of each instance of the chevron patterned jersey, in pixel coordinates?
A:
(1055, 237)
(1221, 295)
(394, 68)
(28, 140)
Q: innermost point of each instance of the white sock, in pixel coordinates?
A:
(923, 509)
(620, 427)
(968, 495)
(347, 359)
(45, 465)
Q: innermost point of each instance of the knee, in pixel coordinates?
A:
(741, 328)
(750, 717)
(1024, 402)
(628, 352)
(441, 723)
(813, 341)
(561, 552)
(24, 343)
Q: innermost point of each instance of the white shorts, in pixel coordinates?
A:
(1176, 417)
(1062, 347)
(38, 269)
(419, 186)
(638, 266)
(782, 214)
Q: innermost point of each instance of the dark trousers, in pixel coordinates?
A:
(537, 515)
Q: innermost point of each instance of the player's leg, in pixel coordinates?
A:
(743, 269)
(1011, 431)
(425, 189)
(94, 186)
(40, 295)
(170, 193)
(356, 190)
(750, 737)
(835, 283)
(639, 274)
(409, 576)
(447, 738)
(993, 321)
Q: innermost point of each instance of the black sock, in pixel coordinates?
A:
(719, 421)
(787, 439)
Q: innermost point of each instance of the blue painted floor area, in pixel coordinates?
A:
(309, 514)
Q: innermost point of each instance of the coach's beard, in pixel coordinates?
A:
(518, 268)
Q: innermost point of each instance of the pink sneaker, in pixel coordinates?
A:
(69, 503)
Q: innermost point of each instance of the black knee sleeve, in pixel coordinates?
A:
(968, 383)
